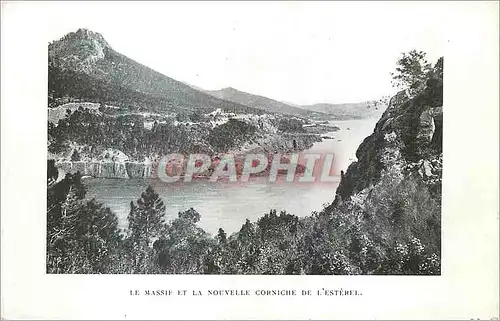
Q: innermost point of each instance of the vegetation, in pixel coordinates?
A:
(83, 238)
(385, 218)
(290, 125)
(82, 235)
(97, 131)
(228, 135)
(412, 70)
(71, 86)
(100, 131)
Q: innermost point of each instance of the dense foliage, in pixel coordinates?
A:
(412, 69)
(228, 135)
(386, 217)
(290, 125)
(82, 237)
(70, 86)
(98, 131)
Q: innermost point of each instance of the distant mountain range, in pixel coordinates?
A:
(260, 102)
(367, 109)
(84, 67)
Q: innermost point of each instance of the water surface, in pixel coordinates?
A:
(228, 205)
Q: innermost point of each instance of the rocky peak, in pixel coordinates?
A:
(79, 50)
(83, 34)
(229, 90)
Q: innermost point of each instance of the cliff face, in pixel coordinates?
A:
(118, 165)
(407, 139)
(110, 169)
(79, 50)
(386, 216)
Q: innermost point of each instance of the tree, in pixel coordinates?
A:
(52, 171)
(411, 71)
(191, 215)
(145, 222)
(221, 237)
(438, 68)
(146, 218)
(82, 236)
(185, 248)
(247, 231)
(75, 157)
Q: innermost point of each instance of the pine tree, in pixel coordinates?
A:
(82, 235)
(190, 215)
(147, 217)
(412, 69)
(221, 237)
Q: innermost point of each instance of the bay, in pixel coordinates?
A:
(228, 205)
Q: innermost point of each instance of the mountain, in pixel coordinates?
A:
(194, 87)
(367, 109)
(83, 66)
(261, 102)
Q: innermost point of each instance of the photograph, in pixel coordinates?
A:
(148, 173)
(250, 160)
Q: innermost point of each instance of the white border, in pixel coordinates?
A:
(467, 289)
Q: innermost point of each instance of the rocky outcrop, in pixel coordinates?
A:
(281, 143)
(79, 50)
(94, 169)
(115, 164)
(408, 133)
(140, 169)
(109, 169)
(387, 210)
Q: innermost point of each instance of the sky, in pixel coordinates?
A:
(297, 52)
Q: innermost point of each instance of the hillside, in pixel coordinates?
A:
(390, 198)
(261, 102)
(367, 109)
(84, 67)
